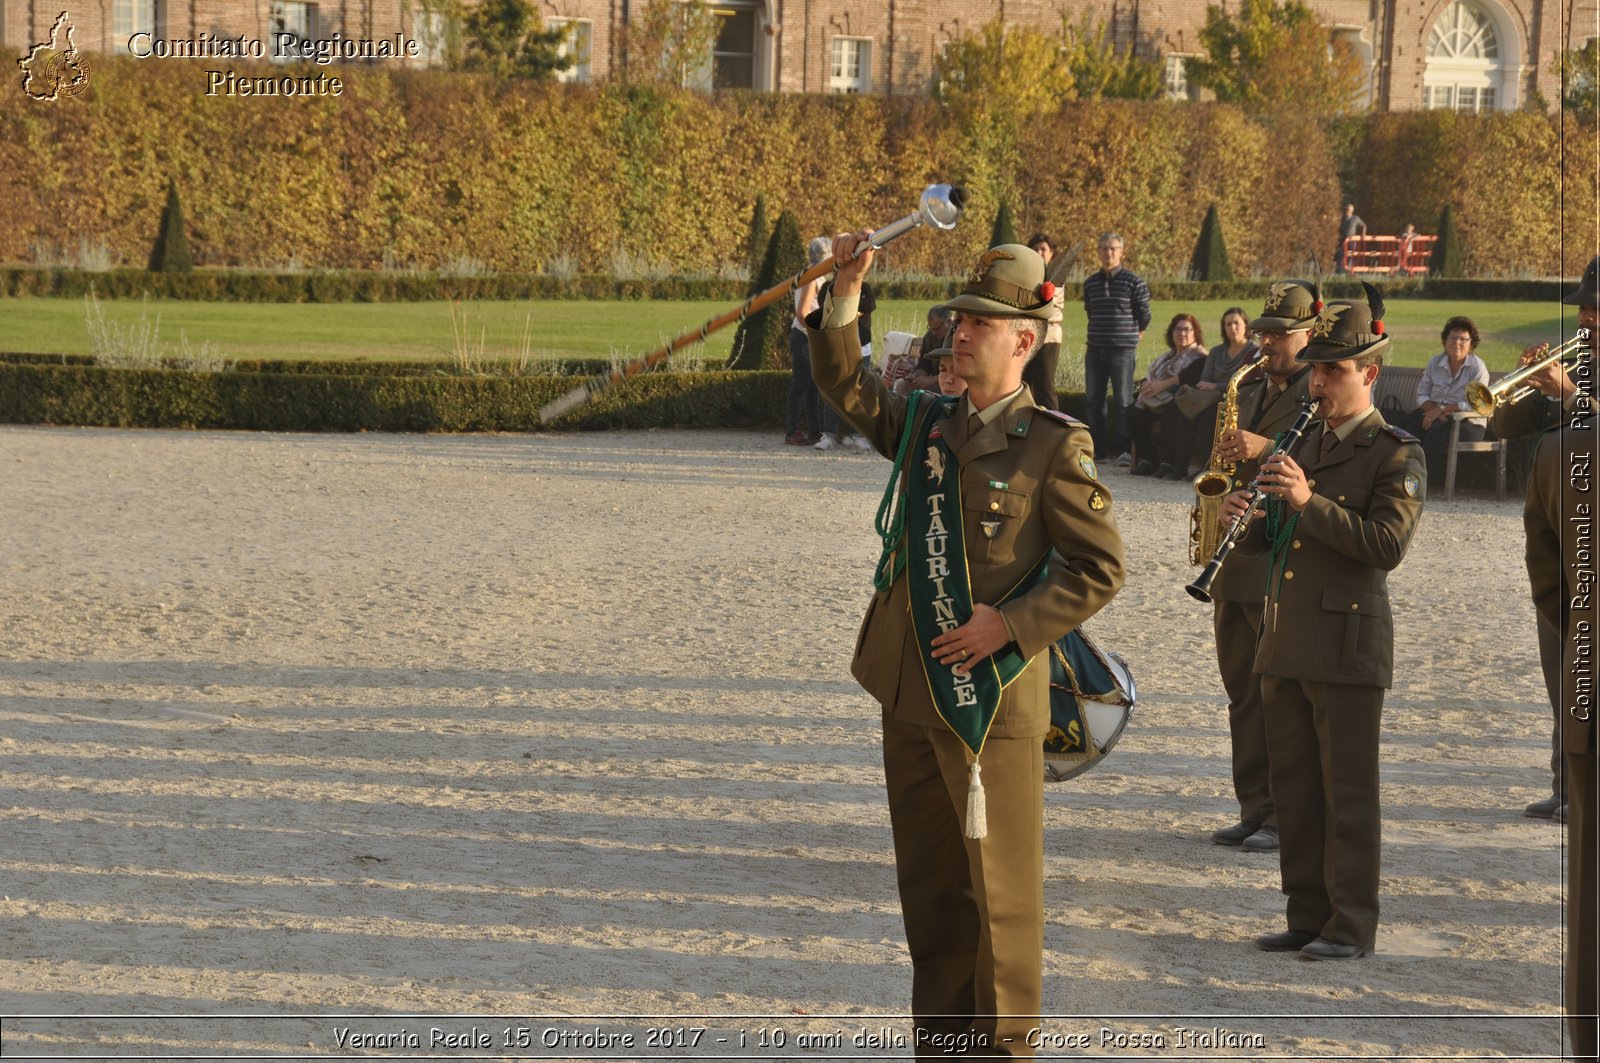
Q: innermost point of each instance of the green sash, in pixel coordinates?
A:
(940, 590)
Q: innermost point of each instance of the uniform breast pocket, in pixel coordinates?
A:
(1366, 617)
(993, 517)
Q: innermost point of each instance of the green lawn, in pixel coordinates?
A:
(559, 330)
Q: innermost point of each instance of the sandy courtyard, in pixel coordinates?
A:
(546, 747)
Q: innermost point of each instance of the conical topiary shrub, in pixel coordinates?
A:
(1446, 258)
(1210, 261)
(767, 331)
(1005, 227)
(171, 252)
(760, 234)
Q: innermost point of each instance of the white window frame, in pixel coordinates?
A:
(133, 16)
(579, 44)
(1175, 83)
(298, 17)
(432, 31)
(1477, 75)
(841, 79)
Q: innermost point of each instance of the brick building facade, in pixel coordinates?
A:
(1463, 54)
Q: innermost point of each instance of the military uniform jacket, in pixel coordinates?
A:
(1243, 577)
(1030, 478)
(1328, 618)
(1528, 416)
(1559, 517)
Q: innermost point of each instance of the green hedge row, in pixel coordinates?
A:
(375, 287)
(307, 402)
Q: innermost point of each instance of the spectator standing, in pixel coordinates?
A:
(1442, 393)
(805, 402)
(1117, 302)
(1350, 224)
(1040, 374)
(833, 430)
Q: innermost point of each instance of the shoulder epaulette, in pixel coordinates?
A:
(1401, 434)
(1065, 418)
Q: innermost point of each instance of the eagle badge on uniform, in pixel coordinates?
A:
(1097, 501)
(989, 528)
(1413, 485)
(1086, 463)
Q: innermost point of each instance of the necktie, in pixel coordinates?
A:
(974, 425)
(1329, 441)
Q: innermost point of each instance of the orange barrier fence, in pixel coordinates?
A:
(1389, 255)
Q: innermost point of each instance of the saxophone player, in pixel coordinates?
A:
(1269, 399)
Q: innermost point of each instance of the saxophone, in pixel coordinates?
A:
(1213, 485)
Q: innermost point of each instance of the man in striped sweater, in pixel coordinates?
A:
(1118, 304)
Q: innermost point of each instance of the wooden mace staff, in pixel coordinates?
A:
(939, 207)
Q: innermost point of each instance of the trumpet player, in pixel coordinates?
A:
(1269, 399)
(1554, 396)
(1559, 518)
(1339, 515)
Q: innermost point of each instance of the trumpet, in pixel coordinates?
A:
(1486, 398)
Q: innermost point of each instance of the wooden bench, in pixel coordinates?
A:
(1395, 394)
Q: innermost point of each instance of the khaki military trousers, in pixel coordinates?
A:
(1550, 646)
(1238, 628)
(973, 910)
(1322, 741)
(1583, 902)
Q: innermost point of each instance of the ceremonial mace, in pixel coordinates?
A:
(939, 207)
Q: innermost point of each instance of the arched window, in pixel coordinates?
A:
(1468, 57)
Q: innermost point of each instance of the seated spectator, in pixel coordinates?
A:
(1198, 404)
(938, 329)
(924, 376)
(1157, 392)
(949, 383)
(900, 353)
(1442, 392)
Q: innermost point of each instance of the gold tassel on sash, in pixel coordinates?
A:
(977, 807)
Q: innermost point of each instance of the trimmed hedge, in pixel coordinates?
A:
(428, 169)
(311, 402)
(359, 397)
(240, 286)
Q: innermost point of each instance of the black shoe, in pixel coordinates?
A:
(1286, 941)
(1323, 949)
(1145, 468)
(1545, 809)
(1163, 471)
(1264, 840)
(1560, 814)
(1179, 474)
(1235, 834)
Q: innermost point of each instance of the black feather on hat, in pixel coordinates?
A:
(1347, 329)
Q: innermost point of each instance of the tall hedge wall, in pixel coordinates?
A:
(423, 168)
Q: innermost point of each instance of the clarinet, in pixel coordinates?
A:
(1200, 589)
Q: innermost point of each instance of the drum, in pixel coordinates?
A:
(1091, 700)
